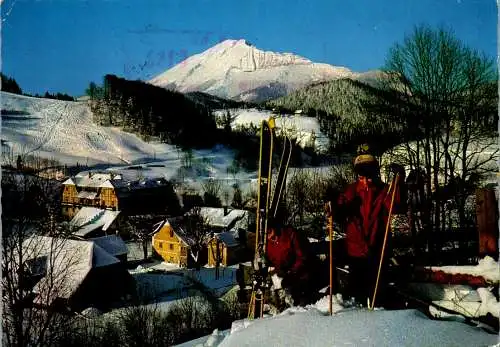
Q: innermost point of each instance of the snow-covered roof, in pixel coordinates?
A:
(89, 219)
(68, 263)
(115, 179)
(69, 181)
(113, 244)
(227, 238)
(215, 217)
(90, 179)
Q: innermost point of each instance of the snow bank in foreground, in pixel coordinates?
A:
(313, 326)
(487, 268)
(357, 327)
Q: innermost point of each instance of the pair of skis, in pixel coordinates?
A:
(268, 202)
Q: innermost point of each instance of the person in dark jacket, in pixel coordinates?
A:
(289, 254)
(363, 209)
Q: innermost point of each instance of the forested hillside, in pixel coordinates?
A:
(149, 111)
(340, 108)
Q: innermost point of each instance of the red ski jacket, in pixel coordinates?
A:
(364, 212)
(288, 254)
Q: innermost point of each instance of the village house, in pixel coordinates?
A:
(226, 219)
(93, 222)
(229, 228)
(171, 243)
(114, 191)
(223, 249)
(76, 274)
(114, 245)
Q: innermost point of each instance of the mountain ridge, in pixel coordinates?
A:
(237, 70)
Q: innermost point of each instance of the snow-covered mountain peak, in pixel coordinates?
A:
(238, 70)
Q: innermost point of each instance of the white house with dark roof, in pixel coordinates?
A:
(74, 273)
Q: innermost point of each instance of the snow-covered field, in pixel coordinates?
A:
(305, 129)
(64, 131)
(348, 326)
(352, 326)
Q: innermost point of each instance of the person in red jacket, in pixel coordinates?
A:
(288, 253)
(363, 210)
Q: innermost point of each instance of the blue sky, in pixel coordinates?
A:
(62, 45)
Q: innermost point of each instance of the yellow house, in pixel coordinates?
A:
(94, 190)
(172, 244)
(223, 248)
(117, 191)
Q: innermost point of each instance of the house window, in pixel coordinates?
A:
(171, 233)
(171, 246)
(160, 244)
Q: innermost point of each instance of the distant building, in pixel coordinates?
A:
(231, 231)
(112, 191)
(226, 219)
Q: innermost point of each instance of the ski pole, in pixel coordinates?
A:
(396, 180)
(330, 231)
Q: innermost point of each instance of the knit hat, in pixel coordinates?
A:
(365, 159)
(365, 164)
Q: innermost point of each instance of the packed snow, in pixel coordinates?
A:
(237, 70)
(313, 326)
(487, 268)
(305, 129)
(64, 130)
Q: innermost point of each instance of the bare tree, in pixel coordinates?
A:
(212, 190)
(187, 158)
(443, 95)
(33, 262)
(237, 197)
(225, 121)
(141, 227)
(196, 228)
(306, 194)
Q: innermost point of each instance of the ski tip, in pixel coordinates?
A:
(271, 122)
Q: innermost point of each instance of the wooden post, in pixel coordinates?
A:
(487, 222)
